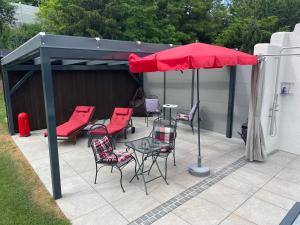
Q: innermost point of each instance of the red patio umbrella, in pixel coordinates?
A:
(191, 56)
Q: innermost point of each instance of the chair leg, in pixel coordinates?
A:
(193, 129)
(174, 157)
(96, 174)
(121, 179)
(166, 166)
(111, 170)
(90, 140)
(147, 120)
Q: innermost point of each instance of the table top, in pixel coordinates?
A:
(146, 145)
(170, 106)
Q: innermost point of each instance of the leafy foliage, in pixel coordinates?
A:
(233, 23)
(6, 14)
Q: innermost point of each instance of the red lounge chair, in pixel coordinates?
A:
(69, 130)
(119, 122)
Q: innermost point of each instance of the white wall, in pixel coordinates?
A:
(214, 85)
(288, 119)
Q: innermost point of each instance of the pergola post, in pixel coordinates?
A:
(51, 122)
(230, 110)
(7, 97)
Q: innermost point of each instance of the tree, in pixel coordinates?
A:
(6, 14)
(254, 21)
(165, 21)
(13, 37)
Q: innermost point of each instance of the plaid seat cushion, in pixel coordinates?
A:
(103, 152)
(164, 133)
(182, 116)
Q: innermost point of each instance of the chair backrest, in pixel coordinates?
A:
(102, 147)
(121, 115)
(193, 111)
(152, 104)
(82, 114)
(165, 130)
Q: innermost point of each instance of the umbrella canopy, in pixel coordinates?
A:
(191, 56)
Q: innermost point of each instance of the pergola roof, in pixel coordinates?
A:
(70, 50)
(55, 52)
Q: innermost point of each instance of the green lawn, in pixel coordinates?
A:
(23, 199)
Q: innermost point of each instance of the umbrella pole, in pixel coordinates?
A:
(193, 87)
(197, 169)
(164, 95)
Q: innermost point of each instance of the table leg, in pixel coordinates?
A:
(155, 160)
(141, 168)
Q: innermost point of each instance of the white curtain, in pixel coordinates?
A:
(255, 147)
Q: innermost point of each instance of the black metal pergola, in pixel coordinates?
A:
(55, 52)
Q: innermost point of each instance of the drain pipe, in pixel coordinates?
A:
(275, 106)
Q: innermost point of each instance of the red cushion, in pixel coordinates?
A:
(112, 128)
(80, 115)
(121, 111)
(82, 108)
(65, 129)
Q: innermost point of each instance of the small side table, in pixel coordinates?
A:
(170, 107)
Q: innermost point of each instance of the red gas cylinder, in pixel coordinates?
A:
(23, 122)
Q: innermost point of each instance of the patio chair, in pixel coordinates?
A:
(152, 106)
(80, 118)
(119, 123)
(165, 130)
(105, 156)
(187, 116)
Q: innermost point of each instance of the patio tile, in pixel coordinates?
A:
(261, 212)
(284, 188)
(267, 167)
(133, 206)
(251, 177)
(240, 152)
(170, 219)
(225, 147)
(186, 179)
(80, 160)
(35, 150)
(290, 175)
(104, 215)
(220, 162)
(238, 185)
(281, 158)
(77, 204)
(295, 164)
(201, 212)
(112, 190)
(225, 197)
(234, 219)
(74, 184)
(275, 199)
(164, 192)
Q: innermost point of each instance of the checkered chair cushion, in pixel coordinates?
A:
(104, 153)
(166, 134)
(182, 116)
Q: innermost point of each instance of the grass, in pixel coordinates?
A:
(23, 198)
